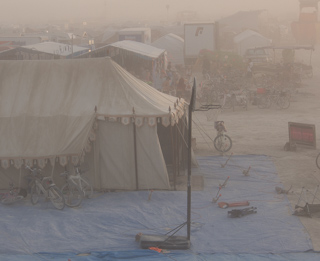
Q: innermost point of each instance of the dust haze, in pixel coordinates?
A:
(36, 11)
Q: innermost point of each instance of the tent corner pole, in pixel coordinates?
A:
(135, 149)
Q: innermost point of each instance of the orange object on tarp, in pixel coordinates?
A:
(159, 250)
(233, 204)
(261, 90)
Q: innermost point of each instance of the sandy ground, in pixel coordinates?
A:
(265, 131)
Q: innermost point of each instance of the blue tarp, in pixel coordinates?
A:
(145, 255)
(111, 221)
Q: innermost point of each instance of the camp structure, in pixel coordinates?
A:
(54, 113)
(174, 45)
(136, 58)
(249, 39)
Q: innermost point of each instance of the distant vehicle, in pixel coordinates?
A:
(257, 55)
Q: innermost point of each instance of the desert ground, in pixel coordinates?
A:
(265, 132)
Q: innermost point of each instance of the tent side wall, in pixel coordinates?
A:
(114, 150)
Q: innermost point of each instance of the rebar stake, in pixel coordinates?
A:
(225, 164)
(150, 194)
(246, 171)
(214, 200)
(224, 183)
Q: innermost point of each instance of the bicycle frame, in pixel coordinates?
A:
(77, 180)
(40, 184)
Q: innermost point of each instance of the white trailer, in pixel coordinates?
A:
(198, 36)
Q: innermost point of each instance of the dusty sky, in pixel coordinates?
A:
(33, 11)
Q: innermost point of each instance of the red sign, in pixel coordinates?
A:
(303, 134)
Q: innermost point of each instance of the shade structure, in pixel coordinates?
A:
(174, 45)
(55, 109)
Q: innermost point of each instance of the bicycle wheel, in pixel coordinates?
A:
(36, 194)
(318, 161)
(222, 143)
(72, 195)
(284, 102)
(86, 187)
(10, 200)
(56, 197)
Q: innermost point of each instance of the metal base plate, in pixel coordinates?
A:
(165, 242)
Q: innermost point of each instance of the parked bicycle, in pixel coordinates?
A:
(44, 188)
(236, 98)
(280, 98)
(76, 188)
(222, 142)
(12, 196)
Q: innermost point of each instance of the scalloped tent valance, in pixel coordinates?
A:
(48, 108)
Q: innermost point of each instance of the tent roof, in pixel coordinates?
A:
(240, 16)
(140, 48)
(174, 45)
(168, 38)
(245, 34)
(47, 107)
(56, 48)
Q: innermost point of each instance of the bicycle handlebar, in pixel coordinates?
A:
(34, 171)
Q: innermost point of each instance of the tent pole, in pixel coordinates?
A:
(173, 153)
(135, 149)
(191, 109)
(177, 149)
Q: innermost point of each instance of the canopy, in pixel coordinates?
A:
(174, 45)
(48, 108)
(249, 39)
(140, 48)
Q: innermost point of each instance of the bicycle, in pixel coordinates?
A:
(12, 196)
(236, 98)
(222, 142)
(44, 187)
(280, 98)
(78, 180)
(71, 191)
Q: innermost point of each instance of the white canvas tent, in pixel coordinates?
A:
(52, 111)
(249, 39)
(174, 45)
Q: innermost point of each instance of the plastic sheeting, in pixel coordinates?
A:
(111, 221)
(145, 255)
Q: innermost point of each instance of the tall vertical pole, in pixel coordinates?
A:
(72, 46)
(173, 153)
(135, 150)
(191, 109)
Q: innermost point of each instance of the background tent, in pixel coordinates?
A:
(55, 110)
(174, 45)
(249, 39)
